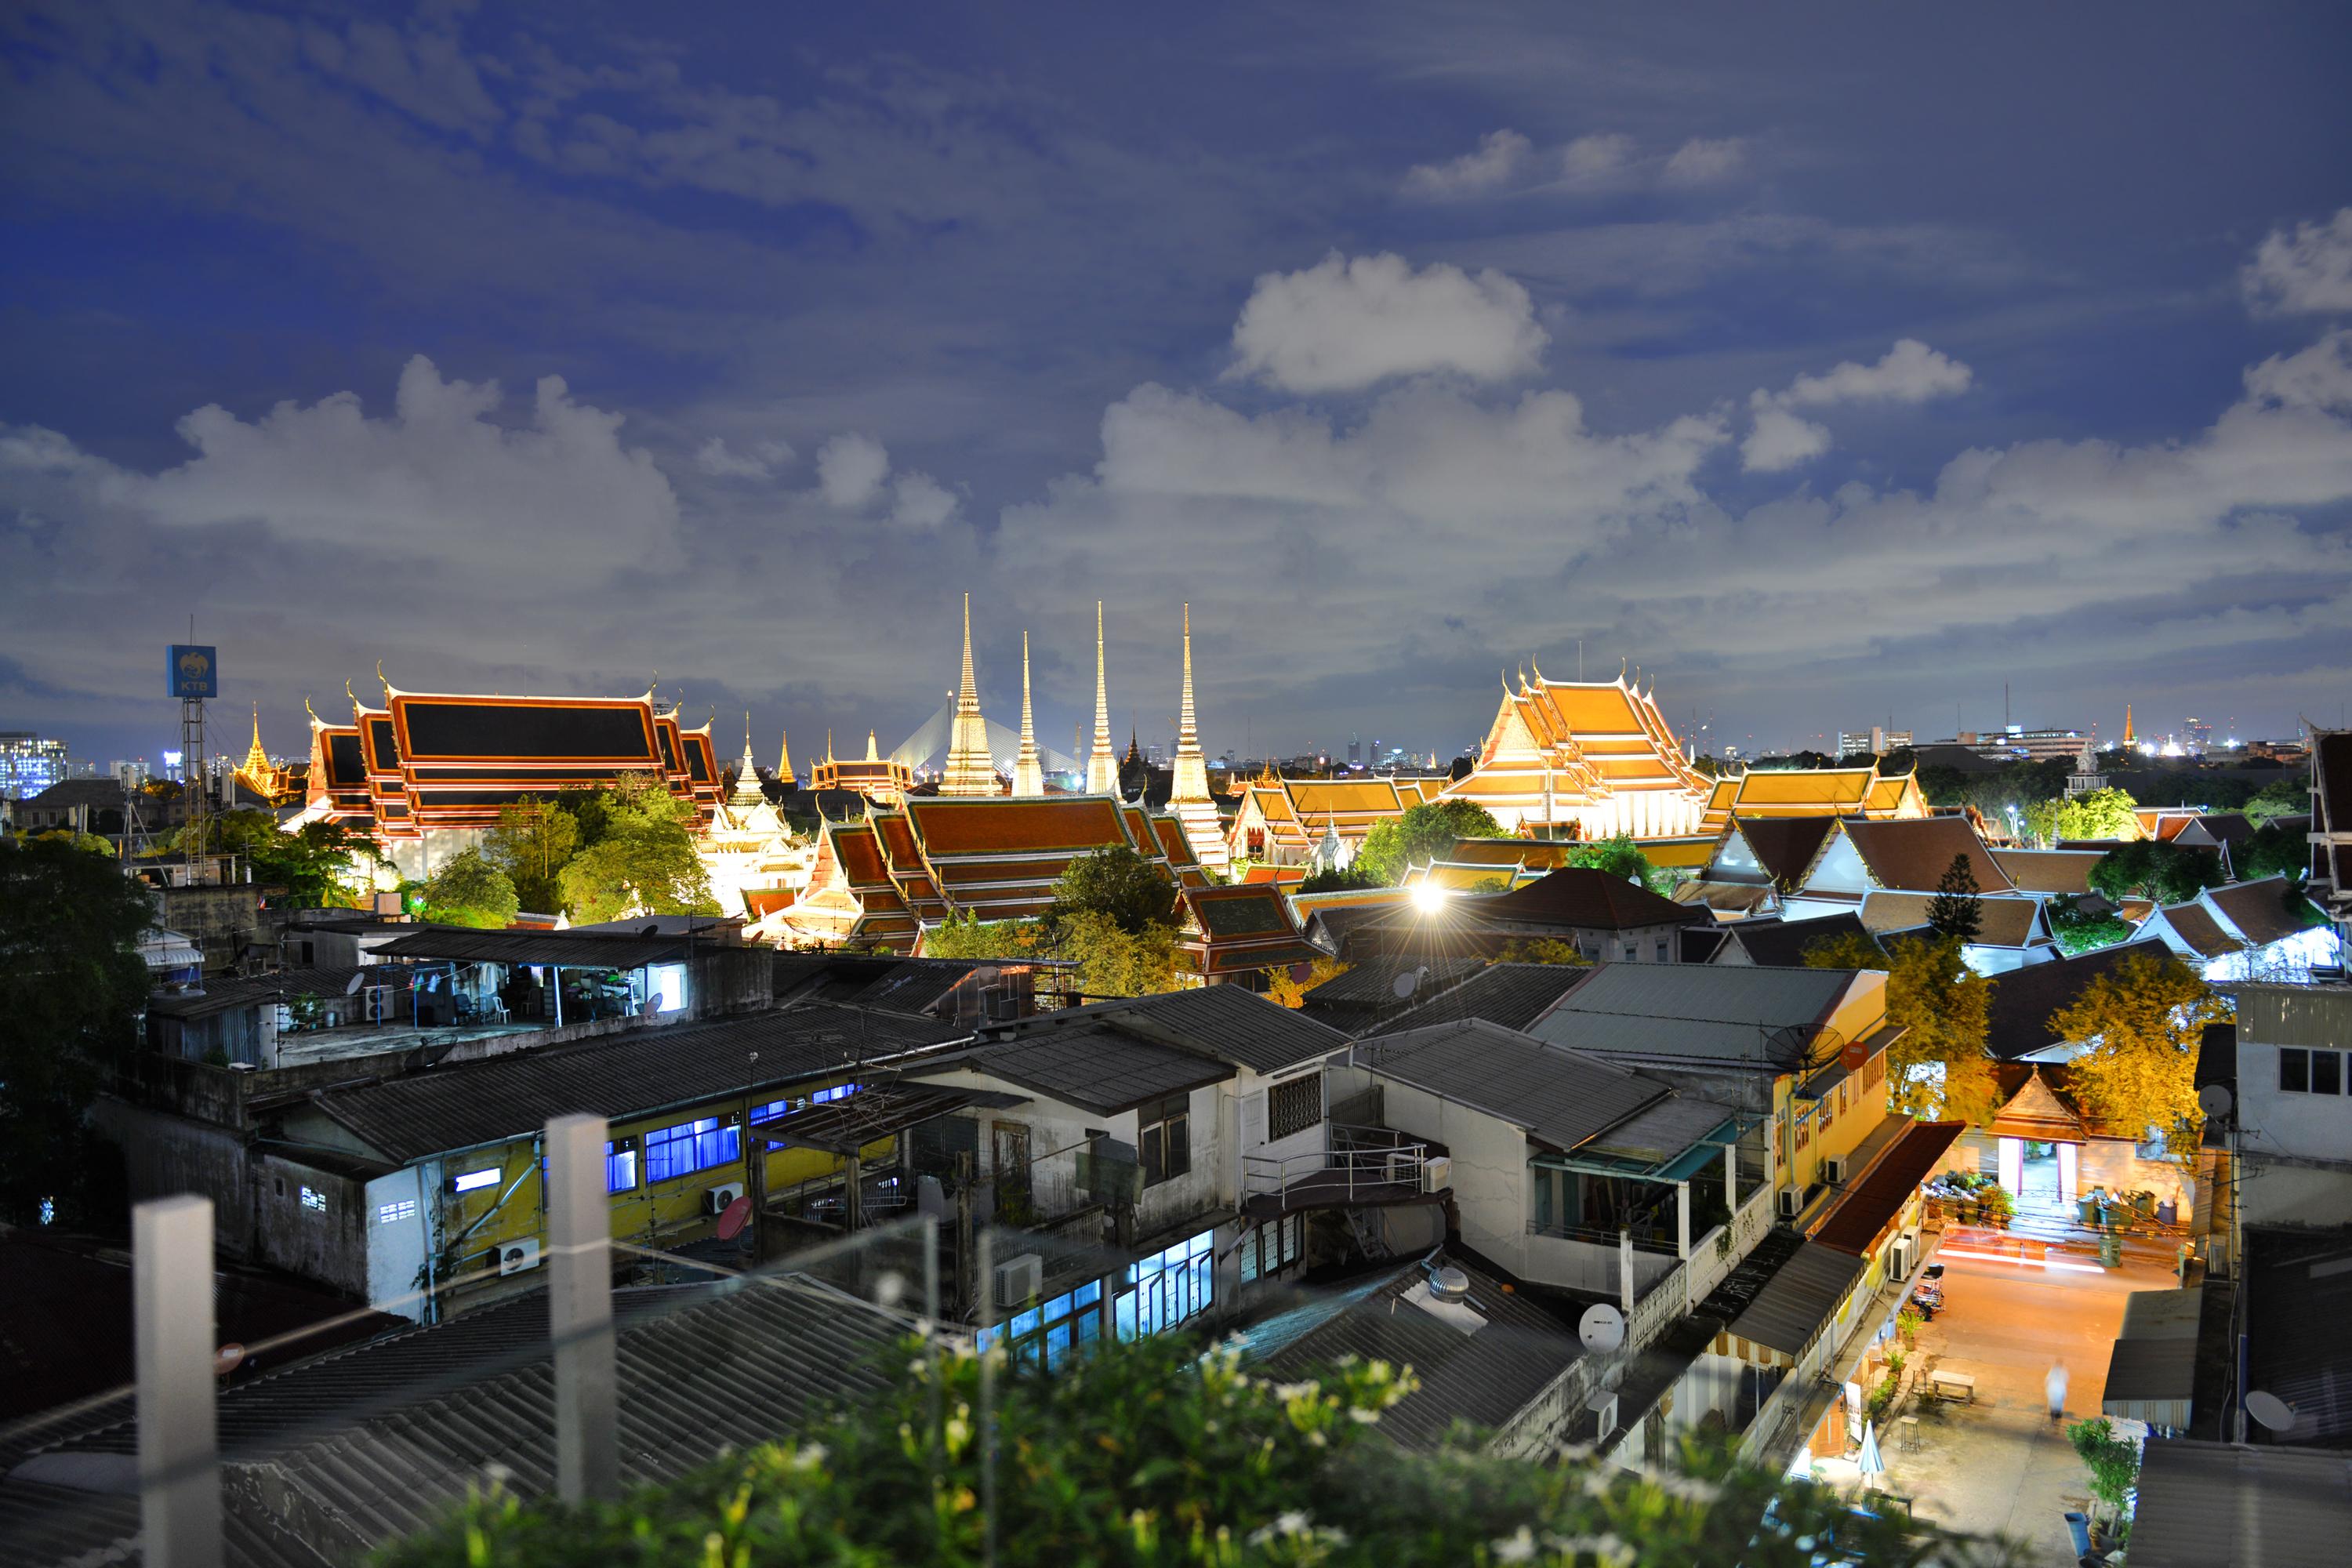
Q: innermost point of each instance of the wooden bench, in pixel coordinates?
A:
(1957, 1385)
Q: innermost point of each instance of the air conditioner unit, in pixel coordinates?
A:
(1598, 1417)
(1898, 1259)
(1020, 1279)
(1833, 1170)
(517, 1256)
(1791, 1201)
(716, 1199)
(1437, 1173)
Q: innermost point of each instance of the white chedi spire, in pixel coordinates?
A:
(1029, 771)
(1189, 798)
(1102, 762)
(971, 769)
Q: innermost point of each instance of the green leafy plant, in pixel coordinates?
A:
(2112, 1459)
(1421, 833)
(2082, 930)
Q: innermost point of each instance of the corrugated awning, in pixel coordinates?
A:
(846, 1125)
(1861, 1215)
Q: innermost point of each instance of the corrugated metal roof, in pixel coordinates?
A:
(1709, 1012)
(2018, 1016)
(1781, 944)
(1484, 1377)
(647, 1070)
(1867, 1204)
(1511, 995)
(379, 1440)
(1231, 1023)
(1097, 1067)
(2207, 1503)
(1559, 1097)
(1798, 1299)
(586, 949)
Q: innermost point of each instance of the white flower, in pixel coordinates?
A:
(1518, 1548)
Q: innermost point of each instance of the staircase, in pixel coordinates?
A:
(1365, 1225)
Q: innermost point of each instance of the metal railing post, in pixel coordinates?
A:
(579, 1310)
(179, 1442)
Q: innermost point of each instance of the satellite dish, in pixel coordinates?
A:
(2214, 1100)
(2270, 1410)
(1407, 984)
(1602, 1328)
(230, 1356)
(733, 1219)
(358, 977)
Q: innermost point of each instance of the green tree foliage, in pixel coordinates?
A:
(321, 865)
(1541, 950)
(1939, 1069)
(2097, 813)
(2112, 1459)
(2141, 1023)
(2280, 797)
(972, 938)
(2080, 930)
(1421, 833)
(1115, 962)
(2274, 851)
(1339, 879)
(1621, 859)
(1956, 910)
(2166, 872)
(1119, 884)
(1155, 1454)
(89, 843)
(641, 860)
(469, 890)
(71, 989)
(534, 840)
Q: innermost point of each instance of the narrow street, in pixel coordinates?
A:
(2000, 1465)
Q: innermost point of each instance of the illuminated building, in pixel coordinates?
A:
(883, 780)
(1583, 759)
(29, 765)
(971, 769)
(1284, 821)
(1813, 792)
(264, 778)
(754, 860)
(1189, 799)
(2131, 737)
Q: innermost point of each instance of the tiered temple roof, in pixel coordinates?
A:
(1596, 756)
(880, 779)
(427, 761)
(1282, 820)
(1815, 791)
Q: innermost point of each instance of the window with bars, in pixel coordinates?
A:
(1052, 1328)
(1165, 1141)
(1168, 1288)
(1294, 1106)
(1272, 1248)
(394, 1212)
(692, 1146)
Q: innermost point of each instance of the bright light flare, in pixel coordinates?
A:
(1428, 898)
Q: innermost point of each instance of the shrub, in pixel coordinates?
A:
(1153, 1453)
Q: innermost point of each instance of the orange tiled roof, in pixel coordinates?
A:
(994, 824)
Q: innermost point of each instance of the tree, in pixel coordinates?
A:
(2080, 930)
(321, 865)
(1280, 987)
(641, 862)
(89, 843)
(2112, 1459)
(1115, 962)
(1621, 859)
(1339, 880)
(470, 890)
(1938, 1068)
(2095, 814)
(1119, 884)
(1542, 949)
(71, 989)
(1956, 910)
(534, 840)
(2167, 873)
(2274, 851)
(1421, 833)
(2280, 797)
(2140, 1024)
(970, 937)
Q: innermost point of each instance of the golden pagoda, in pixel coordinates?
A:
(1029, 771)
(1102, 762)
(1188, 798)
(2129, 738)
(258, 773)
(970, 771)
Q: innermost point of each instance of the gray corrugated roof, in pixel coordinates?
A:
(1781, 944)
(380, 1440)
(1692, 1012)
(1485, 1378)
(1797, 1301)
(1230, 1023)
(1096, 1067)
(1560, 1097)
(585, 949)
(643, 1071)
(1511, 995)
(2207, 1503)
(1662, 1131)
(914, 985)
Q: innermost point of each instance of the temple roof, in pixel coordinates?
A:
(1913, 855)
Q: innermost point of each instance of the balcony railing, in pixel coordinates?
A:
(1354, 1170)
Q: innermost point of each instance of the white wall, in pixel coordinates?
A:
(2274, 1122)
(1491, 1185)
(395, 1252)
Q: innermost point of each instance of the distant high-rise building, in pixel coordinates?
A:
(1355, 751)
(30, 763)
(1878, 740)
(2196, 736)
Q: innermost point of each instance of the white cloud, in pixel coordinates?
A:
(716, 461)
(850, 471)
(922, 502)
(1780, 440)
(1343, 325)
(439, 481)
(1910, 371)
(1499, 157)
(2308, 271)
(2318, 377)
(1704, 161)
(1594, 157)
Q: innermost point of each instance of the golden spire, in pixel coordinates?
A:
(828, 745)
(784, 759)
(1102, 762)
(1191, 780)
(2128, 736)
(971, 769)
(872, 747)
(1028, 769)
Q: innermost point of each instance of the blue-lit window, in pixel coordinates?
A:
(620, 1165)
(770, 1111)
(1052, 1329)
(776, 1107)
(692, 1146)
(1169, 1288)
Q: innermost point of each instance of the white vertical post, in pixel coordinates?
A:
(1682, 1218)
(1731, 1177)
(579, 1310)
(172, 1317)
(1626, 1270)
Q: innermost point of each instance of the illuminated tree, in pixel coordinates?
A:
(1938, 1068)
(2141, 1023)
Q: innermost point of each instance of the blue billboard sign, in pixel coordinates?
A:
(195, 671)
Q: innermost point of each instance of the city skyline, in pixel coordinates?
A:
(609, 353)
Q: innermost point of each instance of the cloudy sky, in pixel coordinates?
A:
(1827, 362)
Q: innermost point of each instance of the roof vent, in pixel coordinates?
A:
(1449, 1284)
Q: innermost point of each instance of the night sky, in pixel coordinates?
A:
(1829, 363)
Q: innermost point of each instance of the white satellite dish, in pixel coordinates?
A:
(359, 978)
(1602, 1328)
(2214, 1100)
(1406, 985)
(2270, 1410)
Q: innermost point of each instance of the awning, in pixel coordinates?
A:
(1799, 1300)
(845, 1125)
(585, 950)
(162, 949)
(2152, 1371)
(1871, 1202)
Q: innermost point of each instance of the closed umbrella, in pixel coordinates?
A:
(1870, 1463)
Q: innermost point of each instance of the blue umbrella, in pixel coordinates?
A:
(1870, 1461)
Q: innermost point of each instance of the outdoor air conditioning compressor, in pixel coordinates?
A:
(1020, 1279)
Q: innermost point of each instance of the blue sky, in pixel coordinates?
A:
(1828, 363)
